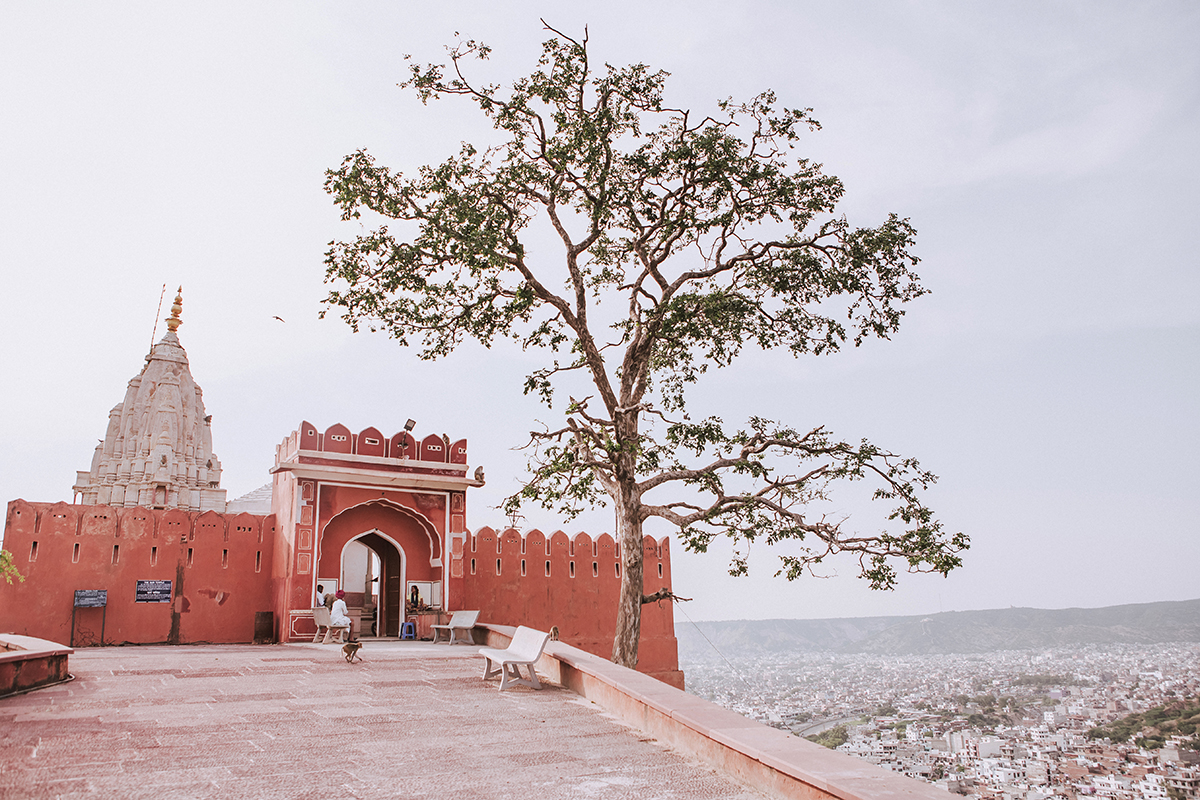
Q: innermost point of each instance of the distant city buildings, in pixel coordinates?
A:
(998, 726)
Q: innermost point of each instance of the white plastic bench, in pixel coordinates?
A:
(321, 617)
(461, 621)
(525, 648)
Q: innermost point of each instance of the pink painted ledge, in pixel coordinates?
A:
(765, 758)
(28, 663)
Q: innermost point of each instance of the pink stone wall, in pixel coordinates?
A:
(219, 566)
(571, 582)
(226, 568)
(283, 508)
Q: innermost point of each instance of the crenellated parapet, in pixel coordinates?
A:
(51, 529)
(508, 558)
(338, 440)
(400, 463)
(511, 546)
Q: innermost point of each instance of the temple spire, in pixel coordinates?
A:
(157, 451)
(174, 321)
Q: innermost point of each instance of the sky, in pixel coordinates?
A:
(1046, 153)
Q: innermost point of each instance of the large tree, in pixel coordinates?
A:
(684, 240)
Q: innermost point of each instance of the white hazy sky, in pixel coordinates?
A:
(1047, 153)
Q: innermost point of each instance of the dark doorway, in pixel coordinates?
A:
(390, 613)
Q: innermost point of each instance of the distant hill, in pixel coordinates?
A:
(948, 632)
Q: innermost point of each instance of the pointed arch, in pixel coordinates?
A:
(422, 522)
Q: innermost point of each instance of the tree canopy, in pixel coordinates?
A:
(682, 240)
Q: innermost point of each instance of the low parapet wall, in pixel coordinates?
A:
(27, 663)
(771, 761)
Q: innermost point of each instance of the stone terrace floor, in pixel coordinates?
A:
(412, 720)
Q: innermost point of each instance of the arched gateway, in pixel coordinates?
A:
(374, 551)
(375, 523)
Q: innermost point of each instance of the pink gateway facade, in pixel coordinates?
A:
(382, 517)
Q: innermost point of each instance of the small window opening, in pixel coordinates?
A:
(224, 559)
(497, 566)
(547, 569)
(189, 558)
(617, 567)
(75, 554)
(153, 556)
(572, 569)
(33, 552)
(660, 570)
(116, 553)
(472, 566)
(257, 560)
(522, 568)
(595, 569)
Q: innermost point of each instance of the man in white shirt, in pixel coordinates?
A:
(339, 616)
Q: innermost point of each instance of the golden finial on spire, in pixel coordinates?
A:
(173, 321)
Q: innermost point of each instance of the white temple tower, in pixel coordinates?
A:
(157, 452)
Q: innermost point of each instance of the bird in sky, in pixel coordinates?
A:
(281, 319)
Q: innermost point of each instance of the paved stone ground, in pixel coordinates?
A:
(413, 720)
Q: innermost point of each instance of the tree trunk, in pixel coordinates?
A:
(629, 606)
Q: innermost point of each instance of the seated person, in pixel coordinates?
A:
(339, 616)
